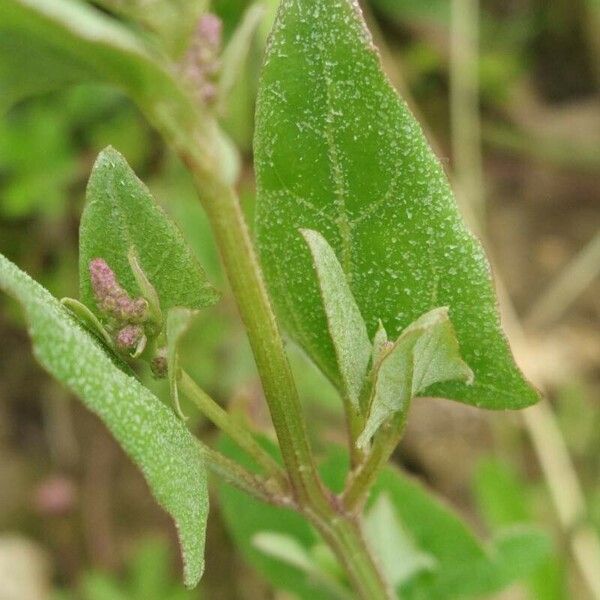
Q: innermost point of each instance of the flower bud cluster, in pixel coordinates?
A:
(112, 299)
(129, 320)
(201, 64)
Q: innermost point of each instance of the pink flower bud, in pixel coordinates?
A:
(112, 299)
(104, 282)
(201, 63)
(128, 338)
(209, 30)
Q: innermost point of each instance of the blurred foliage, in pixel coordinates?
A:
(147, 576)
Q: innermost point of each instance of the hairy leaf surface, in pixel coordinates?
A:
(167, 454)
(338, 152)
(347, 329)
(121, 214)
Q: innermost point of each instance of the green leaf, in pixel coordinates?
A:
(169, 457)
(463, 566)
(347, 329)
(75, 42)
(426, 353)
(399, 557)
(120, 214)
(179, 321)
(338, 152)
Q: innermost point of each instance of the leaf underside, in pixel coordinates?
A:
(167, 454)
(338, 152)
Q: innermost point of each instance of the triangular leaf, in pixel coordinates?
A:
(121, 215)
(347, 329)
(426, 353)
(338, 152)
(170, 458)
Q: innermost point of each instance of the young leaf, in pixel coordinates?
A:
(399, 557)
(379, 342)
(178, 322)
(426, 353)
(338, 152)
(121, 215)
(154, 438)
(347, 329)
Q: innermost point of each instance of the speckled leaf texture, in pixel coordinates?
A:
(337, 151)
(120, 213)
(167, 454)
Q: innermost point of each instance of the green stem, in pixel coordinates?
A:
(363, 478)
(344, 535)
(240, 435)
(234, 474)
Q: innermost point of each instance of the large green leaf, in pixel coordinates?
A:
(154, 438)
(121, 214)
(338, 152)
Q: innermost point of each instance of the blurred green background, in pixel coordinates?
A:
(516, 120)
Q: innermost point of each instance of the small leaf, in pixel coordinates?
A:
(179, 321)
(88, 319)
(167, 454)
(337, 151)
(346, 326)
(285, 548)
(288, 550)
(399, 556)
(147, 290)
(426, 353)
(121, 215)
(379, 343)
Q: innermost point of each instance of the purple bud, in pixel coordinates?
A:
(159, 363)
(112, 299)
(104, 282)
(201, 63)
(209, 30)
(128, 338)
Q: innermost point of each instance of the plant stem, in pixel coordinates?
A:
(344, 536)
(363, 478)
(241, 436)
(234, 474)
